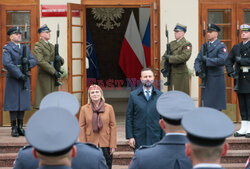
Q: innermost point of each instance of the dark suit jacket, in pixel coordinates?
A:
(142, 120)
(168, 153)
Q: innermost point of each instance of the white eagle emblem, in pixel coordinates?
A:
(108, 17)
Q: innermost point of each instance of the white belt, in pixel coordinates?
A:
(244, 67)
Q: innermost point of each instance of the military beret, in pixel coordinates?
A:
(14, 29)
(52, 131)
(44, 28)
(213, 27)
(245, 27)
(207, 126)
(172, 105)
(180, 27)
(61, 99)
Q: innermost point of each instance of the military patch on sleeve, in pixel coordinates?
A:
(188, 47)
(36, 47)
(224, 50)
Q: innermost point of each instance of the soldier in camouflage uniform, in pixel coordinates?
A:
(181, 51)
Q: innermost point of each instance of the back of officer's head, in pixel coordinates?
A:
(172, 105)
(207, 130)
(53, 131)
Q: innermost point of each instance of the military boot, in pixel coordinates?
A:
(20, 129)
(14, 132)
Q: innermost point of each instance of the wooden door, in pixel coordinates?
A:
(76, 56)
(17, 15)
(223, 15)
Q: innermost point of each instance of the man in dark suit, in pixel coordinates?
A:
(88, 154)
(214, 93)
(240, 55)
(207, 129)
(170, 151)
(17, 97)
(142, 119)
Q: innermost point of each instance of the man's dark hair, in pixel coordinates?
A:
(147, 69)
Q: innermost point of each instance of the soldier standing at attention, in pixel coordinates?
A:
(17, 97)
(214, 93)
(240, 55)
(44, 51)
(181, 51)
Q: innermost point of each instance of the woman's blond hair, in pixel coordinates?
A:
(95, 87)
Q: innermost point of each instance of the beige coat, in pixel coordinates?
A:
(45, 82)
(104, 138)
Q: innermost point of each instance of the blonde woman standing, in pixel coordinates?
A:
(97, 123)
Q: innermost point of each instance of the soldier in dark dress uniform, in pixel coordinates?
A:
(17, 97)
(88, 154)
(240, 54)
(214, 94)
(207, 129)
(53, 132)
(170, 151)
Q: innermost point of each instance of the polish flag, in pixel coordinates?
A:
(132, 58)
(146, 44)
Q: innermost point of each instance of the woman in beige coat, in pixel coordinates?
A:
(97, 123)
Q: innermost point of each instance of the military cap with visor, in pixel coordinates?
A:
(172, 105)
(61, 99)
(52, 131)
(207, 126)
(44, 28)
(245, 27)
(13, 30)
(180, 27)
(212, 27)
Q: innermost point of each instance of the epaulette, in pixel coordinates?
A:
(146, 146)
(92, 145)
(26, 147)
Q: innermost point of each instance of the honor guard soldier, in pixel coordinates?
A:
(25, 159)
(170, 151)
(214, 93)
(180, 50)
(240, 57)
(17, 97)
(207, 129)
(44, 51)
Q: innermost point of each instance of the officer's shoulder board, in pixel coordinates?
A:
(146, 146)
(92, 145)
(26, 147)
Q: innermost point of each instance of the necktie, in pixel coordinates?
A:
(147, 94)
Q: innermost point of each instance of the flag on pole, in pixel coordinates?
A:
(146, 44)
(93, 70)
(132, 58)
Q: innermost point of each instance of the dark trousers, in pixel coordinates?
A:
(244, 105)
(108, 157)
(16, 115)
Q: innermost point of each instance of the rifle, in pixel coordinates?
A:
(57, 59)
(203, 72)
(166, 71)
(24, 59)
(237, 66)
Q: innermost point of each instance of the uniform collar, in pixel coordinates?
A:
(174, 139)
